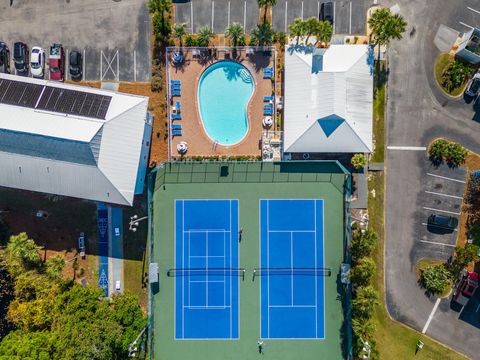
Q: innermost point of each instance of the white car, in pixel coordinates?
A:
(37, 62)
(117, 285)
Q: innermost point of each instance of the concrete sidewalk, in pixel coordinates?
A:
(115, 248)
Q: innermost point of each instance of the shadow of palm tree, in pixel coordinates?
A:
(231, 72)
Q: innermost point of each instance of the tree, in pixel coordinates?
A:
(234, 31)
(359, 161)
(204, 35)
(54, 267)
(361, 274)
(363, 245)
(436, 279)
(323, 31)
(386, 26)
(22, 254)
(363, 303)
(463, 256)
(190, 40)
(160, 10)
(298, 29)
(311, 26)
(179, 31)
(28, 345)
(263, 34)
(266, 4)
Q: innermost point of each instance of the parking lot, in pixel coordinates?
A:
(350, 16)
(112, 35)
(442, 194)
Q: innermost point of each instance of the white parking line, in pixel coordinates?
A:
(478, 307)
(425, 224)
(440, 194)
(411, 148)
(135, 65)
(446, 178)
(472, 9)
(431, 315)
(66, 72)
(228, 16)
(471, 27)
(191, 16)
(244, 14)
(334, 20)
(83, 64)
(443, 211)
(350, 18)
(302, 10)
(213, 12)
(286, 10)
(436, 243)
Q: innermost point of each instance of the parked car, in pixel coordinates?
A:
(443, 221)
(4, 58)
(20, 58)
(76, 65)
(56, 62)
(37, 62)
(465, 288)
(117, 285)
(473, 86)
(326, 12)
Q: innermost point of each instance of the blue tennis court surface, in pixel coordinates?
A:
(206, 289)
(291, 251)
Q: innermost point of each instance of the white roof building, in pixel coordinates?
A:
(72, 140)
(328, 99)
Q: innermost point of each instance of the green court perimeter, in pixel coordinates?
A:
(248, 182)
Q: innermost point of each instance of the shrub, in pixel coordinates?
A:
(363, 303)
(456, 154)
(436, 279)
(361, 274)
(190, 40)
(242, 40)
(359, 161)
(437, 149)
(363, 245)
(156, 83)
(455, 74)
(463, 256)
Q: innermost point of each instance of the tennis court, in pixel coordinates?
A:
(206, 269)
(292, 269)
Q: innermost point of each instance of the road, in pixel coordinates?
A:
(418, 112)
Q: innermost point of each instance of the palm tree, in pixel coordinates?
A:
(234, 32)
(386, 26)
(311, 25)
(298, 28)
(323, 31)
(266, 4)
(179, 31)
(204, 35)
(263, 34)
(158, 9)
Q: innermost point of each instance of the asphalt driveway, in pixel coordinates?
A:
(113, 35)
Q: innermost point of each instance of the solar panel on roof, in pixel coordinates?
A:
(54, 99)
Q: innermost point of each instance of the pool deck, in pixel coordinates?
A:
(193, 132)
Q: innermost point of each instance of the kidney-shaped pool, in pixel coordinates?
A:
(224, 90)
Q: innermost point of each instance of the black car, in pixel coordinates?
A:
(76, 65)
(21, 58)
(443, 221)
(4, 58)
(326, 12)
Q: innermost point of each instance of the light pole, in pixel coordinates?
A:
(134, 220)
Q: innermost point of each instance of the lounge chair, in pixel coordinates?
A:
(268, 69)
(177, 106)
(176, 127)
(175, 87)
(176, 93)
(176, 116)
(268, 106)
(267, 75)
(175, 82)
(176, 132)
(267, 98)
(267, 112)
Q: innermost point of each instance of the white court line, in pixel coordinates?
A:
(286, 10)
(291, 231)
(206, 256)
(446, 195)
(292, 306)
(472, 9)
(207, 281)
(443, 211)
(425, 224)
(446, 178)
(431, 315)
(350, 18)
(291, 263)
(436, 243)
(411, 148)
(471, 27)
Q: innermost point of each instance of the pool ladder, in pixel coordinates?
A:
(245, 75)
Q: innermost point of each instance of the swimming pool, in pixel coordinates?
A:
(224, 90)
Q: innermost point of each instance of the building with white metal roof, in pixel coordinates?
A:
(72, 140)
(328, 99)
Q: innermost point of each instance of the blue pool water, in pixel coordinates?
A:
(224, 90)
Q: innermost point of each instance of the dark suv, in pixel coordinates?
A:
(76, 65)
(20, 58)
(443, 221)
(326, 12)
(4, 58)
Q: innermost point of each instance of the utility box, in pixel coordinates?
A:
(153, 273)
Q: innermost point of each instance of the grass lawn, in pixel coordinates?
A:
(443, 60)
(392, 338)
(379, 111)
